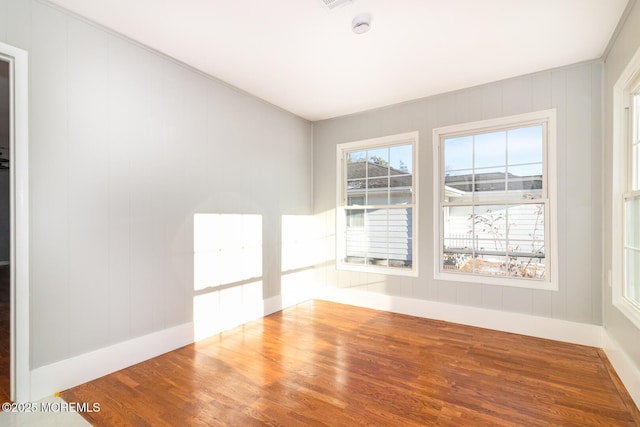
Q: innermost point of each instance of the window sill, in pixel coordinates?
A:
(389, 271)
(498, 281)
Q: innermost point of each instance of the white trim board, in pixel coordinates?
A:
(18, 60)
(58, 376)
(628, 372)
(524, 324)
(62, 375)
(86, 367)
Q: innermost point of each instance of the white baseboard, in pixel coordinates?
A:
(46, 380)
(58, 376)
(628, 372)
(524, 324)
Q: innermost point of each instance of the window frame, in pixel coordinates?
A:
(342, 150)
(549, 195)
(627, 186)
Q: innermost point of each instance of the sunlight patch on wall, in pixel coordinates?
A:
(228, 287)
(299, 255)
(299, 248)
(227, 249)
(223, 309)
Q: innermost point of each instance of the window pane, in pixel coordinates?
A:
(356, 241)
(526, 179)
(632, 223)
(525, 145)
(636, 167)
(401, 237)
(526, 245)
(458, 239)
(490, 149)
(382, 237)
(490, 265)
(378, 183)
(378, 191)
(526, 228)
(355, 218)
(458, 186)
(356, 165)
(400, 191)
(528, 267)
(356, 192)
(378, 162)
(356, 184)
(490, 229)
(355, 200)
(401, 159)
(458, 153)
(632, 276)
(489, 184)
(635, 145)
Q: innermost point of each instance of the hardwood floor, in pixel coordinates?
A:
(323, 363)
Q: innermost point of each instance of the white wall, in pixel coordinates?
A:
(125, 147)
(575, 92)
(620, 329)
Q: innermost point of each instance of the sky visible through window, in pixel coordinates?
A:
(518, 150)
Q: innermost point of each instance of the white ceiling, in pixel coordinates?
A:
(297, 55)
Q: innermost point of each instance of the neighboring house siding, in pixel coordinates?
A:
(377, 243)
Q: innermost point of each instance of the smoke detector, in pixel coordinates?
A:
(331, 5)
(361, 24)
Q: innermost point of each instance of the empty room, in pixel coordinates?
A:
(320, 212)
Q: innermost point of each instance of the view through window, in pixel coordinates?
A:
(377, 203)
(493, 199)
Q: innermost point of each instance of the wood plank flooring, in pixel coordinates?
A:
(322, 363)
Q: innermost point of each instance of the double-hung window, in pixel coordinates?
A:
(494, 185)
(624, 275)
(631, 201)
(377, 205)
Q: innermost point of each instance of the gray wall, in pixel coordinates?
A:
(624, 47)
(575, 92)
(125, 147)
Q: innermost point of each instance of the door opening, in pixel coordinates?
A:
(15, 372)
(5, 234)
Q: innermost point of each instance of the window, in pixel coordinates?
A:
(493, 182)
(624, 273)
(631, 201)
(377, 207)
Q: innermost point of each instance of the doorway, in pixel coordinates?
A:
(5, 235)
(14, 225)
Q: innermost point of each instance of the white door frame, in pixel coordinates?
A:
(19, 178)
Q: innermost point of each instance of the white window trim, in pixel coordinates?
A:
(628, 82)
(341, 149)
(550, 181)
